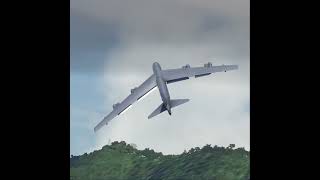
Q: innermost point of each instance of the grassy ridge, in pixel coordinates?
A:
(121, 161)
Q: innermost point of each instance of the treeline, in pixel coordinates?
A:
(124, 162)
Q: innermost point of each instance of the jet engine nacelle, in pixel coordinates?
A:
(132, 90)
(115, 105)
(186, 66)
(209, 64)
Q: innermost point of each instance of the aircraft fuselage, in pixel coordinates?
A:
(162, 86)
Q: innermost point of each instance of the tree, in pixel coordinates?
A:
(206, 148)
(231, 146)
(133, 145)
(184, 152)
(123, 143)
(115, 143)
(192, 150)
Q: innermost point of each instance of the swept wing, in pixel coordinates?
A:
(136, 94)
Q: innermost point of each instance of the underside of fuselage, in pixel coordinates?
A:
(162, 86)
(167, 103)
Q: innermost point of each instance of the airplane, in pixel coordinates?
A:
(160, 78)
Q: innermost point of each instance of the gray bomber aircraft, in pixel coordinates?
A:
(160, 78)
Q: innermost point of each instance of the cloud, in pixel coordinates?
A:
(90, 42)
(97, 27)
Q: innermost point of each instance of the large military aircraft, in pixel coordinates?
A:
(160, 78)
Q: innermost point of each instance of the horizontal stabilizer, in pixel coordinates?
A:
(177, 102)
(162, 107)
(159, 110)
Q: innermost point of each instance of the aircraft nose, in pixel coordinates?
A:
(155, 64)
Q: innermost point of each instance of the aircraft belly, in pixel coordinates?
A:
(163, 89)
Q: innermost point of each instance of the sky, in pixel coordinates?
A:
(113, 44)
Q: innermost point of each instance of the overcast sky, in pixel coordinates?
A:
(113, 45)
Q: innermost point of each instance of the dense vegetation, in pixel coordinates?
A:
(121, 161)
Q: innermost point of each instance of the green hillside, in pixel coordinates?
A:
(121, 161)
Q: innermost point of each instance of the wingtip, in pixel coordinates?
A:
(96, 128)
(186, 100)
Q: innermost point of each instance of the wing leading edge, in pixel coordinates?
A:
(174, 75)
(136, 94)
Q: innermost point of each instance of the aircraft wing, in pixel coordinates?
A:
(174, 75)
(136, 94)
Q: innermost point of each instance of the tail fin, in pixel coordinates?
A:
(162, 107)
(177, 102)
(159, 110)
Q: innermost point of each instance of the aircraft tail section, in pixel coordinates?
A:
(162, 107)
(177, 102)
(159, 110)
